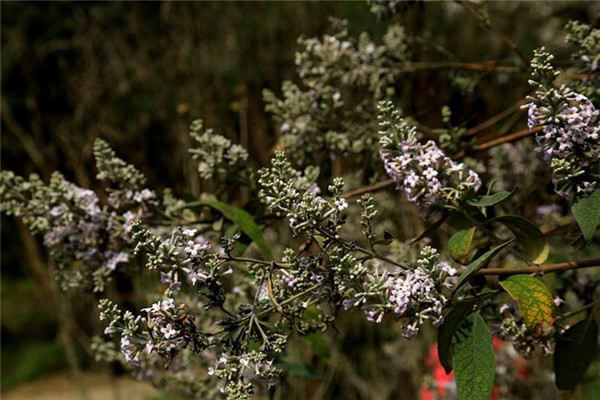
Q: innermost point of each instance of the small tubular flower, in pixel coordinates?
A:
(423, 171)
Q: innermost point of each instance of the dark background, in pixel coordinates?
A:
(138, 73)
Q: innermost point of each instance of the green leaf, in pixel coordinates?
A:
(244, 220)
(490, 200)
(534, 300)
(476, 265)
(587, 213)
(575, 350)
(460, 244)
(453, 319)
(529, 236)
(473, 359)
(319, 345)
(590, 383)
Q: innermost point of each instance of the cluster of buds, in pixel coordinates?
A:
(161, 330)
(125, 184)
(286, 191)
(385, 8)
(423, 171)
(216, 154)
(184, 254)
(586, 40)
(570, 137)
(238, 371)
(331, 111)
(340, 58)
(76, 229)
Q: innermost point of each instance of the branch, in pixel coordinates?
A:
(495, 119)
(542, 269)
(508, 138)
(370, 188)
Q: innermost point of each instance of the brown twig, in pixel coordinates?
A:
(495, 119)
(370, 188)
(508, 138)
(542, 269)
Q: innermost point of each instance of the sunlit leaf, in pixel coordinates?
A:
(529, 237)
(534, 300)
(473, 359)
(459, 244)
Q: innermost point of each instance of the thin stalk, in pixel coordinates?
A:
(542, 269)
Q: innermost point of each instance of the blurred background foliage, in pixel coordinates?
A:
(138, 73)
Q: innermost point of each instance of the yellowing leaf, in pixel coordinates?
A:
(534, 300)
(460, 244)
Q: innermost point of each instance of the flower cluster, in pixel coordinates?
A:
(74, 226)
(385, 8)
(183, 256)
(340, 58)
(125, 183)
(424, 172)
(587, 41)
(570, 138)
(77, 229)
(415, 295)
(163, 330)
(252, 365)
(333, 111)
(216, 154)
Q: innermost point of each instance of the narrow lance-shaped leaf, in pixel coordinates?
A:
(529, 237)
(575, 350)
(534, 300)
(490, 200)
(586, 211)
(476, 265)
(244, 220)
(473, 359)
